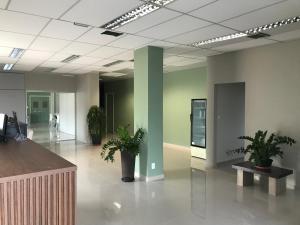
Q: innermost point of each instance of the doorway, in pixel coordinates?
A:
(110, 113)
(229, 119)
(51, 116)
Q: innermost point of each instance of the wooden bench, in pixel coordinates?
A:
(276, 176)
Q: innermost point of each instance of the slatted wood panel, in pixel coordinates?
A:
(39, 199)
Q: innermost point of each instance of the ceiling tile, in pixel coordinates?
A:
(81, 71)
(94, 36)
(52, 9)
(63, 30)
(122, 65)
(31, 62)
(5, 59)
(84, 60)
(52, 64)
(150, 20)
(244, 45)
(21, 23)
(163, 44)
(199, 53)
(131, 42)
(78, 48)
(106, 52)
(287, 36)
(24, 67)
(40, 55)
(178, 50)
(174, 27)
(188, 5)
(201, 34)
(58, 57)
(5, 51)
(72, 65)
(63, 70)
(15, 40)
(97, 13)
(3, 3)
(225, 9)
(264, 16)
(48, 44)
(129, 55)
(103, 62)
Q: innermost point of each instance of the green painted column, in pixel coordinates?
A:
(148, 110)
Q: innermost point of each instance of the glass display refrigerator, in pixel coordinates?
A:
(198, 128)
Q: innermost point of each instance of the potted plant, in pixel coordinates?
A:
(95, 120)
(263, 149)
(129, 146)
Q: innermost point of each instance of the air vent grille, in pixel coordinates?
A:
(113, 63)
(258, 35)
(112, 33)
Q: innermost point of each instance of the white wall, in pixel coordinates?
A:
(50, 82)
(272, 77)
(87, 94)
(12, 94)
(67, 113)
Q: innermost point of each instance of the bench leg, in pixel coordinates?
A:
(244, 178)
(277, 186)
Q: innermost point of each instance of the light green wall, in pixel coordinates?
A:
(179, 88)
(123, 92)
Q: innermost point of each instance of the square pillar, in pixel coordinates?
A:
(148, 110)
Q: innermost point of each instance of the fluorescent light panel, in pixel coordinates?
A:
(16, 53)
(140, 11)
(70, 58)
(8, 67)
(249, 32)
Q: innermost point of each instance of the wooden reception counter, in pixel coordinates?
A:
(37, 187)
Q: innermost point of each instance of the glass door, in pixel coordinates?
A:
(198, 123)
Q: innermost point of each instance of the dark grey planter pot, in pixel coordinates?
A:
(128, 165)
(96, 140)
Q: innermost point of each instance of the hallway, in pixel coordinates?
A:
(186, 196)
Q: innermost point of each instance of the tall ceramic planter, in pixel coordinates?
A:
(128, 165)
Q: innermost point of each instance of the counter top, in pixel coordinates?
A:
(19, 158)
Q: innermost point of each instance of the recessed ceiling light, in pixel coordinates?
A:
(112, 74)
(136, 13)
(81, 24)
(70, 58)
(16, 53)
(252, 33)
(8, 67)
(219, 39)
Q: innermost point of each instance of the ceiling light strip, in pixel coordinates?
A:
(16, 53)
(8, 67)
(249, 32)
(136, 13)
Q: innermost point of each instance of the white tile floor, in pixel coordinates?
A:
(186, 196)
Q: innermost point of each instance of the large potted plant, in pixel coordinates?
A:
(262, 148)
(95, 120)
(129, 146)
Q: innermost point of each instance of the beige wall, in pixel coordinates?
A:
(87, 94)
(50, 82)
(272, 77)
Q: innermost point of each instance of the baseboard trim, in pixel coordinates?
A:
(179, 147)
(149, 179)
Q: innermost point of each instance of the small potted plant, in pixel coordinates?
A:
(95, 120)
(129, 146)
(263, 149)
